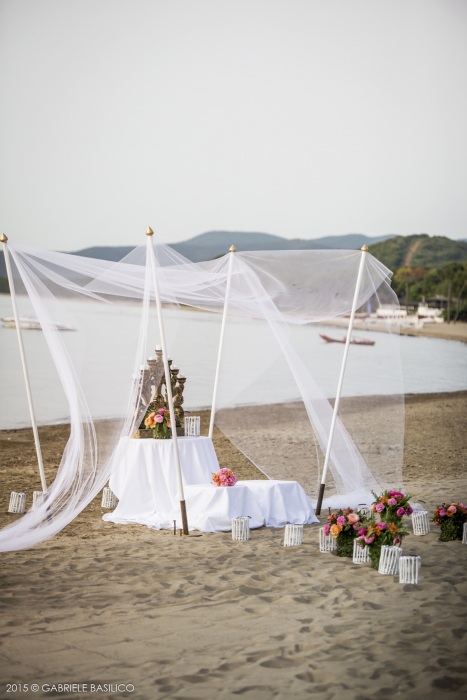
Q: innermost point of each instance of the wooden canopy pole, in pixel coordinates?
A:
(364, 250)
(3, 240)
(152, 257)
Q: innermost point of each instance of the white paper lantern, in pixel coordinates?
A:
(364, 511)
(420, 522)
(409, 569)
(241, 528)
(109, 499)
(37, 498)
(17, 502)
(192, 426)
(361, 555)
(327, 543)
(293, 535)
(389, 560)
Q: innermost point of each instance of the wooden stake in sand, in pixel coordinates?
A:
(232, 250)
(364, 250)
(168, 381)
(3, 240)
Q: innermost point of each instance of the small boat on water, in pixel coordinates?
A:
(31, 324)
(353, 341)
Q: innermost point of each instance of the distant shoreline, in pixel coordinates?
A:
(443, 331)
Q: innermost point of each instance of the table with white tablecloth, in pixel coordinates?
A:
(144, 474)
(144, 479)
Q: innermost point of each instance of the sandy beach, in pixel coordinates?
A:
(124, 611)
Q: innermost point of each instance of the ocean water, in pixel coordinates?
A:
(427, 365)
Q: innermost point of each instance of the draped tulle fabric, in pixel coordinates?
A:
(275, 299)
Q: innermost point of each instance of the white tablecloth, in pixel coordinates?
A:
(144, 474)
(272, 503)
(144, 480)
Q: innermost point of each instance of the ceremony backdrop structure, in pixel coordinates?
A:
(274, 299)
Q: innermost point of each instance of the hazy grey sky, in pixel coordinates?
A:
(301, 118)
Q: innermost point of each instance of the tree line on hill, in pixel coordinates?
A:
(429, 269)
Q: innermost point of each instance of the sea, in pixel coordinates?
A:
(427, 365)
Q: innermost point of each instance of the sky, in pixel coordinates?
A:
(299, 118)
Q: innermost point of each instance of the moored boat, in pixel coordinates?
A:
(353, 341)
(33, 324)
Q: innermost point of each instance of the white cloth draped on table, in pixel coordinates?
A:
(144, 480)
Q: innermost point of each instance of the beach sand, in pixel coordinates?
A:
(205, 617)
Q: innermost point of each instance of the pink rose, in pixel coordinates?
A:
(382, 526)
(159, 418)
(392, 501)
(161, 411)
(341, 520)
(409, 510)
(362, 532)
(400, 512)
(353, 518)
(326, 529)
(452, 509)
(380, 507)
(442, 512)
(369, 540)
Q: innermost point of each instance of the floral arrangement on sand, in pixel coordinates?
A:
(391, 506)
(343, 526)
(375, 534)
(451, 518)
(159, 423)
(224, 477)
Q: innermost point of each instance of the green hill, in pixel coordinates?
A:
(419, 250)
(213, 244)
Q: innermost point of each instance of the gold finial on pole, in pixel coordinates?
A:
(149, 231)
(232, 249)
(364, 248)
(3, 238)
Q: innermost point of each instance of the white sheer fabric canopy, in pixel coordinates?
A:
(275, 300)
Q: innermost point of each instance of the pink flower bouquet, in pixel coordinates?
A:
(343, 526)
(392, 506)
(224, 477)
(451, 518)
(159, 422)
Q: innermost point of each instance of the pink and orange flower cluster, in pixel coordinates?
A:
(392, 505)
(381, 533)
(450, 517)
(455, 511)
(159, 422)
(343, 521)
(224, 477)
